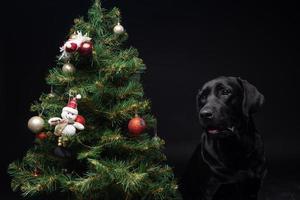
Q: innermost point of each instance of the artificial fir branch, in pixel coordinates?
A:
(126, 109)
(57, 77)
(132, 90)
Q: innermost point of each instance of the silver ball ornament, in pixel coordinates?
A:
(118, 29)
(68, 68)
(36, 124)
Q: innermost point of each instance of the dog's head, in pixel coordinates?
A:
(225, 102)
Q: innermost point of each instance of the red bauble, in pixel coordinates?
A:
(41, 136)
(36, 172)
(136, 126)
(80, 119)
(71, 47)
(86, 48)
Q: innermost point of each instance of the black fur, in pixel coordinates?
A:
(229, 162)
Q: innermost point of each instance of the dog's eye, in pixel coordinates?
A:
(203, 97)
(226, 91)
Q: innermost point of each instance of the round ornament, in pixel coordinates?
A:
(51, 95)
(118, 29)
(36, 172)
(86, 48)
(136, 126)
(71, 47)
(36, 124)
(40, 187)
(41, 136)
(68, 68)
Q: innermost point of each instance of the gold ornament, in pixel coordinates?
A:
(51, 95)
(60, 141)
(118, 29)
(68, 68)
(36, 124)
(39, 187)
(76, 20)
(73, 36)
(65, 141)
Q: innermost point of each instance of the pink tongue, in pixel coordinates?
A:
(213, 131)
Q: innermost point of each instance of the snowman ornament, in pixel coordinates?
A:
(67, 124)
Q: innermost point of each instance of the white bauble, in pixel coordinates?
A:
(118, 29)
(68, 68)
(36, 124)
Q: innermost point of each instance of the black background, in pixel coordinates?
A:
(184, 44)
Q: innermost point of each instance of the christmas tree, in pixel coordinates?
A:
(109, 151)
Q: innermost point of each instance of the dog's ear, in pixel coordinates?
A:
(252, 98)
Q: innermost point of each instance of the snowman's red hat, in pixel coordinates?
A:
(72, 105)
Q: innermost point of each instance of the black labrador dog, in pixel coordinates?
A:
(229, 163)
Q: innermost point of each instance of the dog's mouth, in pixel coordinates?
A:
(215, 130)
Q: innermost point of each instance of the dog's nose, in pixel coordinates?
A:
(206, 114)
